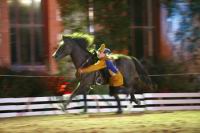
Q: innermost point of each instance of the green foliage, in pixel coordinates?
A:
(113, 16)
(186, 39)
(172, 83)
(74, 15)
(66, 68)
(114, 21)
(186, 25)
(27, 86)
(171, 5)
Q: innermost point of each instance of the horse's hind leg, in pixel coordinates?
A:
(119, 111)
(132, 98)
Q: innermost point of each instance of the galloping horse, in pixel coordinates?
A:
(76, 45)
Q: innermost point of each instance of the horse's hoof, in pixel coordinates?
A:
(138, 102)
(119, 112)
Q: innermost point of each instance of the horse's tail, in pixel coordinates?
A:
(142, 72)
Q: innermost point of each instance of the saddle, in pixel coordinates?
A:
(102, 76)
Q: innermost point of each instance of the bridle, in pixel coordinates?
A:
(84, 49)
(87, 60)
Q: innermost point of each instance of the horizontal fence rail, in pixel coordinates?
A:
(59, 76)
(30, 106)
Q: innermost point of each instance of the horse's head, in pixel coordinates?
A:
(64, 48)
(70, 42)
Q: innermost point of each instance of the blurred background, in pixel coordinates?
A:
(163, 34)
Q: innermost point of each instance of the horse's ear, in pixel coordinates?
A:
(63, 37)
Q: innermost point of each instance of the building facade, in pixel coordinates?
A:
(29, 32)
(30, 29)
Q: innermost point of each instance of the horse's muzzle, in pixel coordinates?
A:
(54, 55)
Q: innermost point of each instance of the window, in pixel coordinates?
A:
(143, 27)
(26, 32)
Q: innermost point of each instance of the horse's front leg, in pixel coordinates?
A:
(69, 98)
(119, 111)
(82, 90)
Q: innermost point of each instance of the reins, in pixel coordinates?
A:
(80, 77)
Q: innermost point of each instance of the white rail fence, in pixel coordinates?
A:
(30, 106)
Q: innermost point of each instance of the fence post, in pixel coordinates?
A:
(85, 102)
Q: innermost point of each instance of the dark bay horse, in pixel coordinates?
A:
(76, 46)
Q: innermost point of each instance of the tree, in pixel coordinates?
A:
(111, 20)
(187, 36)
(74, 14)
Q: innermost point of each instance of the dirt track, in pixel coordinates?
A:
(165, 122)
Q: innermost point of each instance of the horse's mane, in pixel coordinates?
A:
(78, 36)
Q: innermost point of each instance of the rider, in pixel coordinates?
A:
(116, 81)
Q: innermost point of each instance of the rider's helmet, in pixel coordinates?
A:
(101, 48)
(107, 51)
(104, 49)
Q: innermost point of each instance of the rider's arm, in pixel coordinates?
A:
(97, 66)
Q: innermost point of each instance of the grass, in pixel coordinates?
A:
(149, 122)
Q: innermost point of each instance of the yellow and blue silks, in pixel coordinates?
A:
(116, 78)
